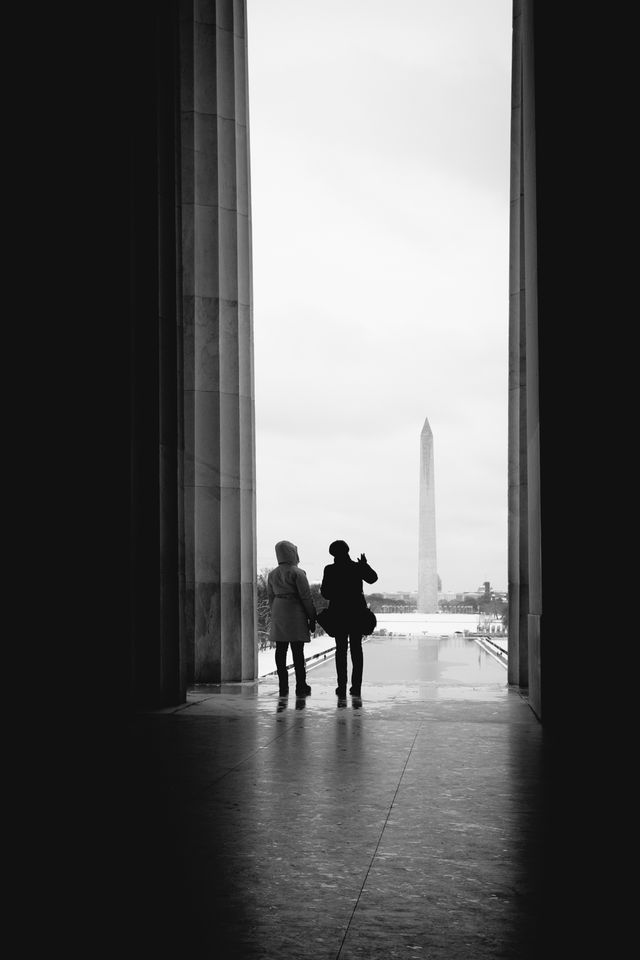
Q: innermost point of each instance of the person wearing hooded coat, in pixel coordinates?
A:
(293, 615)
(342, 587)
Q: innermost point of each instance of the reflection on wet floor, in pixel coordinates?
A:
(399, 669)
(405, 822)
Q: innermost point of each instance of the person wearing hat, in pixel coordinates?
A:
(342, 587)
(293, 616)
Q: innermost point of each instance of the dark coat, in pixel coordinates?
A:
(342, 587)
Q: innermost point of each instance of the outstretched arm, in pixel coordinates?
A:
(367, 573)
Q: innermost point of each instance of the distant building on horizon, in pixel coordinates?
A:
(427, 567)
(485, 591)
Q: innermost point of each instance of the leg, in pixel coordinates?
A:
(281, 667)
(355, 645)
(342, 642)
(302, 687)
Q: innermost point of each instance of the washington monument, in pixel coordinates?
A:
(427, 571)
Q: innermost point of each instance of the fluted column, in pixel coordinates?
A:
(525, 549)
(530, 254)
(518, 557)
(219, 421)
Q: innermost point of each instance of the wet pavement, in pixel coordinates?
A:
(398, 670)
(407, 822)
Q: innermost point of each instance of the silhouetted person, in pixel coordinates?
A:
(342, 587)
(293, 616)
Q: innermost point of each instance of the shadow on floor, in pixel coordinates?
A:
(409, 822)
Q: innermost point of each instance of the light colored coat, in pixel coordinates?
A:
(289, 598)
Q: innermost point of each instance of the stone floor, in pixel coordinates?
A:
(407, 823)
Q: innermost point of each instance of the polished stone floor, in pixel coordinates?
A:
(407, 823)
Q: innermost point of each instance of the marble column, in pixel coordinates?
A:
(518, 572)
(219, 420)
(427, 567)
(525, 551)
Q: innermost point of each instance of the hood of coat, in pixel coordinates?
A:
(287, 552)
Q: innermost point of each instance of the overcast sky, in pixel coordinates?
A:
(379, 141)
